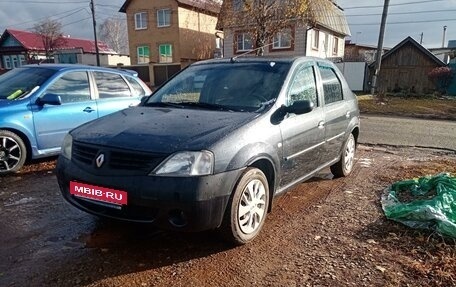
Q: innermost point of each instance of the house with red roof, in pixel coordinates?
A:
(19, 48)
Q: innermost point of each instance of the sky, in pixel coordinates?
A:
(405, 18)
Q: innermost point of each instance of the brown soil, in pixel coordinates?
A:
(323, 233)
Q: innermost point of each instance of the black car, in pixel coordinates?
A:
(214, 145)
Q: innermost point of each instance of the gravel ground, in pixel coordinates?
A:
(323, 233)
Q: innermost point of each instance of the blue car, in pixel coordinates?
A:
(39, 104)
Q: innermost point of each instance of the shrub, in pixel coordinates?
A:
(441, 76)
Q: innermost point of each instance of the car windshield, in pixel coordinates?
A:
(225, 86)
(19, 82)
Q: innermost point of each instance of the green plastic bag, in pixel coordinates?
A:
(427, 202)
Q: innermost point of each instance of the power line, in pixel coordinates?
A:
(406, 22)
(46, 17)
(397, 4)
(400, 13)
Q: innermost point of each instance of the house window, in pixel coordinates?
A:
(15, 62)
(143, 55)
(315, 39)
(22, 60)
(336, 46)
(141, 21)
(7, 62)
(163, 18)
(166, 53)
(282, 40)
(244, 42)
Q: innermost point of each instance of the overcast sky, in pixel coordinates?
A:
(406, 18)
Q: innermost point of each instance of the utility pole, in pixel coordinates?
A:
(378, 62)
(92, 7)
(421, 38)
(444, 36)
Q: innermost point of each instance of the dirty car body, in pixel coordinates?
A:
(214, 145)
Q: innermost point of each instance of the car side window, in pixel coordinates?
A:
(331, 85)
(111, 85)
(304, 86)
(71, 87)
(138, 90)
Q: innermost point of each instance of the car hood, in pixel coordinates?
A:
(161, 130)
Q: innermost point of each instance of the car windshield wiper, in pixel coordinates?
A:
(264, 105)
(207, 106)
(163, 104)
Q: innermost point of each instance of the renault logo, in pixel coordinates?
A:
(100, 160)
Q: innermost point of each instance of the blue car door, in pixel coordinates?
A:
(52, 122)
(114, 93)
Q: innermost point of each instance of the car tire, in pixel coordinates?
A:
(13, 152)
(247, 209)
(345, 165)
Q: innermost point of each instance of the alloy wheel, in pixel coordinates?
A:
(349, 154)
(252, 206)
(10, 153)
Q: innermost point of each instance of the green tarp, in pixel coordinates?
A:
(427, 202)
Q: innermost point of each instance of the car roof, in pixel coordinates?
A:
(261, 59)
(62, 67)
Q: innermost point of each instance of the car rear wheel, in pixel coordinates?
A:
(345, 165)
(248, 207)
(12, 152)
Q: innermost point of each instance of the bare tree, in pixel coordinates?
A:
(51, 34)
(263, 19)
(113, 31)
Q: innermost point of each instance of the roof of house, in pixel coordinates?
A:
(332, 18)
(367, 46)
(33, 41)
(420, 47)
(206, 5)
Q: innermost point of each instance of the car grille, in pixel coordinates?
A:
(116, 159)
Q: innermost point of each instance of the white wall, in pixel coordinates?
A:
(354, 73)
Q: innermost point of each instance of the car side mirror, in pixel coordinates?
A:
(300, 107)
(49, 99)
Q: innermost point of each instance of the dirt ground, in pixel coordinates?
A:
(323, 233)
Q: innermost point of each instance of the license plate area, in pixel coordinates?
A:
(98, 193)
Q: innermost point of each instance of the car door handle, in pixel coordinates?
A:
(347, 115)
(88, 110)
(321, 125)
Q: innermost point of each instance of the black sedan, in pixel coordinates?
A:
(214, 145)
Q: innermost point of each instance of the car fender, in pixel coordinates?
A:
(254, 152)
(22, 131)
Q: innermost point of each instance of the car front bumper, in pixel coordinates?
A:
(176, 203)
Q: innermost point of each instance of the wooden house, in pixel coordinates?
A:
(406, 67)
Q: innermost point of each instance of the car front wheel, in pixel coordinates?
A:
(345, 165)
(12, 152)
(248, 207)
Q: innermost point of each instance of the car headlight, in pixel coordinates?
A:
(187, 163)
(67, 146)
